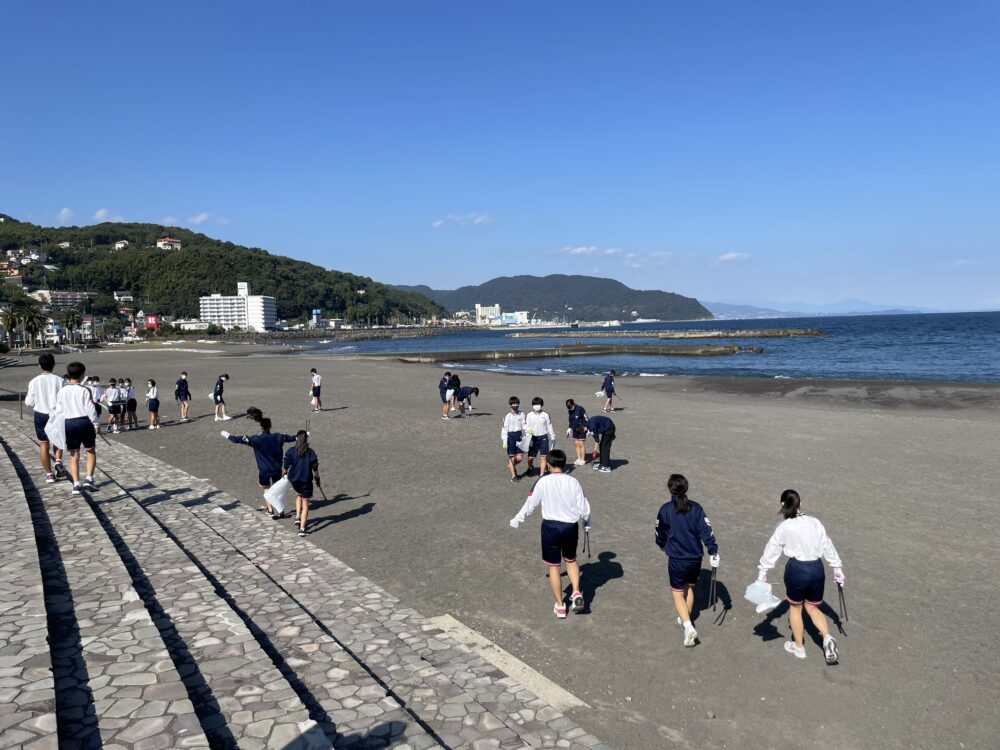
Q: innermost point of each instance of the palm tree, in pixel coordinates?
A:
(33, 322)
(10, 319)
(71, 321)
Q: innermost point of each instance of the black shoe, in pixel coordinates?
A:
(88, 484)
(302, 532)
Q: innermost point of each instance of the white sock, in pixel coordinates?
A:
(827, 638)
(688, 625)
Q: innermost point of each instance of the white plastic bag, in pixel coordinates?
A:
(759, 593)
(55, 430)
(280, 495)
(600, 394)
(524, 443)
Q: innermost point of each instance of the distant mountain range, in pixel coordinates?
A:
(562, 297)
(727, 311)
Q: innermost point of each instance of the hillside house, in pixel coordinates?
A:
(64, 245)
(122, 244)
(168, 243)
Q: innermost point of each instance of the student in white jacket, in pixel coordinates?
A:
(563, 507)
(542, 434)
(511, 433)
(803, 539)
(42, 392)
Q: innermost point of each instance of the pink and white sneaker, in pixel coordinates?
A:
(559, 610)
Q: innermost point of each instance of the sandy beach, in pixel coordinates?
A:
(903, 475)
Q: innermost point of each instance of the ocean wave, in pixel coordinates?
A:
(652, 375)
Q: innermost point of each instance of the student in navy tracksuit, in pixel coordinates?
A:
(454, 383)
(603, 430)
(464, 398)
(608, 386)
(443, 388)
(182, 394)
(220, 402)
(681, 530)
(267, 450)
(577, 415)
(301, 466)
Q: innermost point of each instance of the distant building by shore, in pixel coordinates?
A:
(245, 311)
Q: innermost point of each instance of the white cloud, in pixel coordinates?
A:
(221, 221)
(199, 218)
(65, 216)
(731, 257)
(101, 214)
(168, 221)
(958, 263)
(472, 219)
(591, 250)
(647, 260)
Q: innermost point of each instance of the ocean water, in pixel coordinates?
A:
(945, 346)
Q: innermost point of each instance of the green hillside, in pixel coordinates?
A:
(574, 297)
(170, 281)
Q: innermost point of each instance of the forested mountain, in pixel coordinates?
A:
(170, 281)
(571, 297)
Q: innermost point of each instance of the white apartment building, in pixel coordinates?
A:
(245, 311)
(168, 243)
(486, 313)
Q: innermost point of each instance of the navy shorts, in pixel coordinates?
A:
(513, 438)
(40, 421)
(266, 479)
(218, 400)
(316, 389)
(303, 489)
(97, 408)
(154, 405)
(539, 444)
(804, 581)
(683, 572)
(116, 409)
(559, 541)
(80, 431)
(184, 398)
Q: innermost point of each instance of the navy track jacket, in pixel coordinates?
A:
(301, 468)
(267, 448)
(681, 535)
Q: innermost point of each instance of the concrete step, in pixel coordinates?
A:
(114, 681)
(456, 693)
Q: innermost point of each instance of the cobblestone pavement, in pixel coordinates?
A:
(335, 651)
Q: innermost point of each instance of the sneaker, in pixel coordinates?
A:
(152, 427)
(576, 601)
(830, 650)
(445, 416)
(218, 419)
(579, 462)
(690, 637)
(302, 532)
(794, 650)
(515, 479)
(157, 426)
(88, 483)
(50, 478)
(604, 470)
(679, 621)
(559, 610)
(77, 488)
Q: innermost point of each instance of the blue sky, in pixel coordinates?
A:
(732, 151)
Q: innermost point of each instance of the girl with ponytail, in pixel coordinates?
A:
(804, 540)
(301, 466)
(681, 530)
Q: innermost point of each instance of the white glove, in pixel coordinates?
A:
(838, 576)
(762, 576)
(714, 561)
(552, 442)
(224, 434)
(514, 523)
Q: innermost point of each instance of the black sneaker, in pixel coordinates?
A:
(77, 488)
(88, 484)
(302, 532)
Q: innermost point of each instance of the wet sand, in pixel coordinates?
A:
(903, 475)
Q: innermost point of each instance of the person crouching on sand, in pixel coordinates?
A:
(464, 398)
(803, 539)
(681, 530)
(563, 507)
(301, 466)
(511, 433)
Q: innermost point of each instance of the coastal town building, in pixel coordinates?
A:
(61, 300)
(121, 244)
(64, 246)
(124, 297)
(486, 314)
(245, 311)
(190, 324)
(168, 243)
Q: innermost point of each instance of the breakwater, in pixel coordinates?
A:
(567, 350)
(751, 333)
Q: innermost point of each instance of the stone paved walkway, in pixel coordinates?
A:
(285, 635)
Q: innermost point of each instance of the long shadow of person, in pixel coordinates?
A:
(595, 574)
(766, 630)
(703, 596)
(323, 522)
